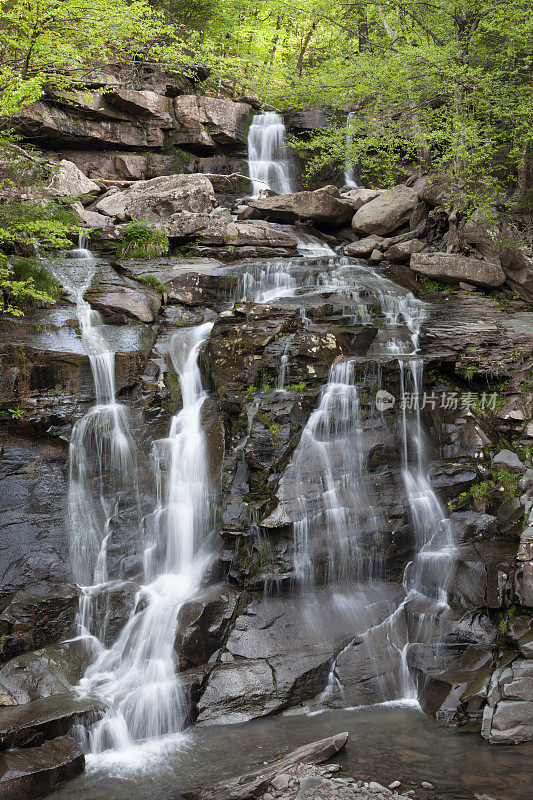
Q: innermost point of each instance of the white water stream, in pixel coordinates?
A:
(349, 175)
(268, 158)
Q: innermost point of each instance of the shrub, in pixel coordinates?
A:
(142, 241)
(24, 284)
(24, 225)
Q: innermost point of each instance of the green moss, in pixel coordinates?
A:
(151, 280)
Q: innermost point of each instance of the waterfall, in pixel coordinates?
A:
(102, 470)
(136, 678)
(268, 159)
(349, 178)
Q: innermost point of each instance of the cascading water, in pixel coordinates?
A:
(349, 175)
(136, 678)
(102, 471)
(268, 159)
(335, 515)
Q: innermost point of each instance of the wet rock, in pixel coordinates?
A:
(34, 541)
(203, 624)
(50, 671)
(452, 676)
(112, 605)
(192, 281)
(320, 206)
(387, 212)
(207, 122)
(41, 720)
(44, 362)
(508, 715)
(254, 784)
(67, 179)
(118, 297)
(455, 268)
(283, 651)
(31, 621)
(36, 771)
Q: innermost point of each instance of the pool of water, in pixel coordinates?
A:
(386, 743)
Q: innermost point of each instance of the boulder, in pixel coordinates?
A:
(203, 623)
(67, 179)
(321, 206)
(360, 197)
(436, 192)
(192, 281)
(90, 219)
(159, 198)
(387, 212)
(363, 247)
(37, 771)
(402, 251)
(455, 268)
(207, 122)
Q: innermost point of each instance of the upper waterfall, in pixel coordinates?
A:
(268, 161)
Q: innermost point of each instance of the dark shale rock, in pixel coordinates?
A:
(34, 723)
(203, 624)
(36, 771)
(30, 621)
(508, 715)
(42, 673)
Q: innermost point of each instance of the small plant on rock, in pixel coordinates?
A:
(140, 240)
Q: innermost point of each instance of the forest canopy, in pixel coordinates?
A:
(444, 84)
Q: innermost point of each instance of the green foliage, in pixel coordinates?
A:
(151, 280)
(431, 286)
(140, 240)
(444, 84)
(25, 224)
(15, 413)
(58, 44)
(23, 284)
(297, 387)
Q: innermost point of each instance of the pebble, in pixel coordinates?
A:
(281, 782)
(427, 785)
(395, 784)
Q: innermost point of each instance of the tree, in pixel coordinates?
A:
(59, 44)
